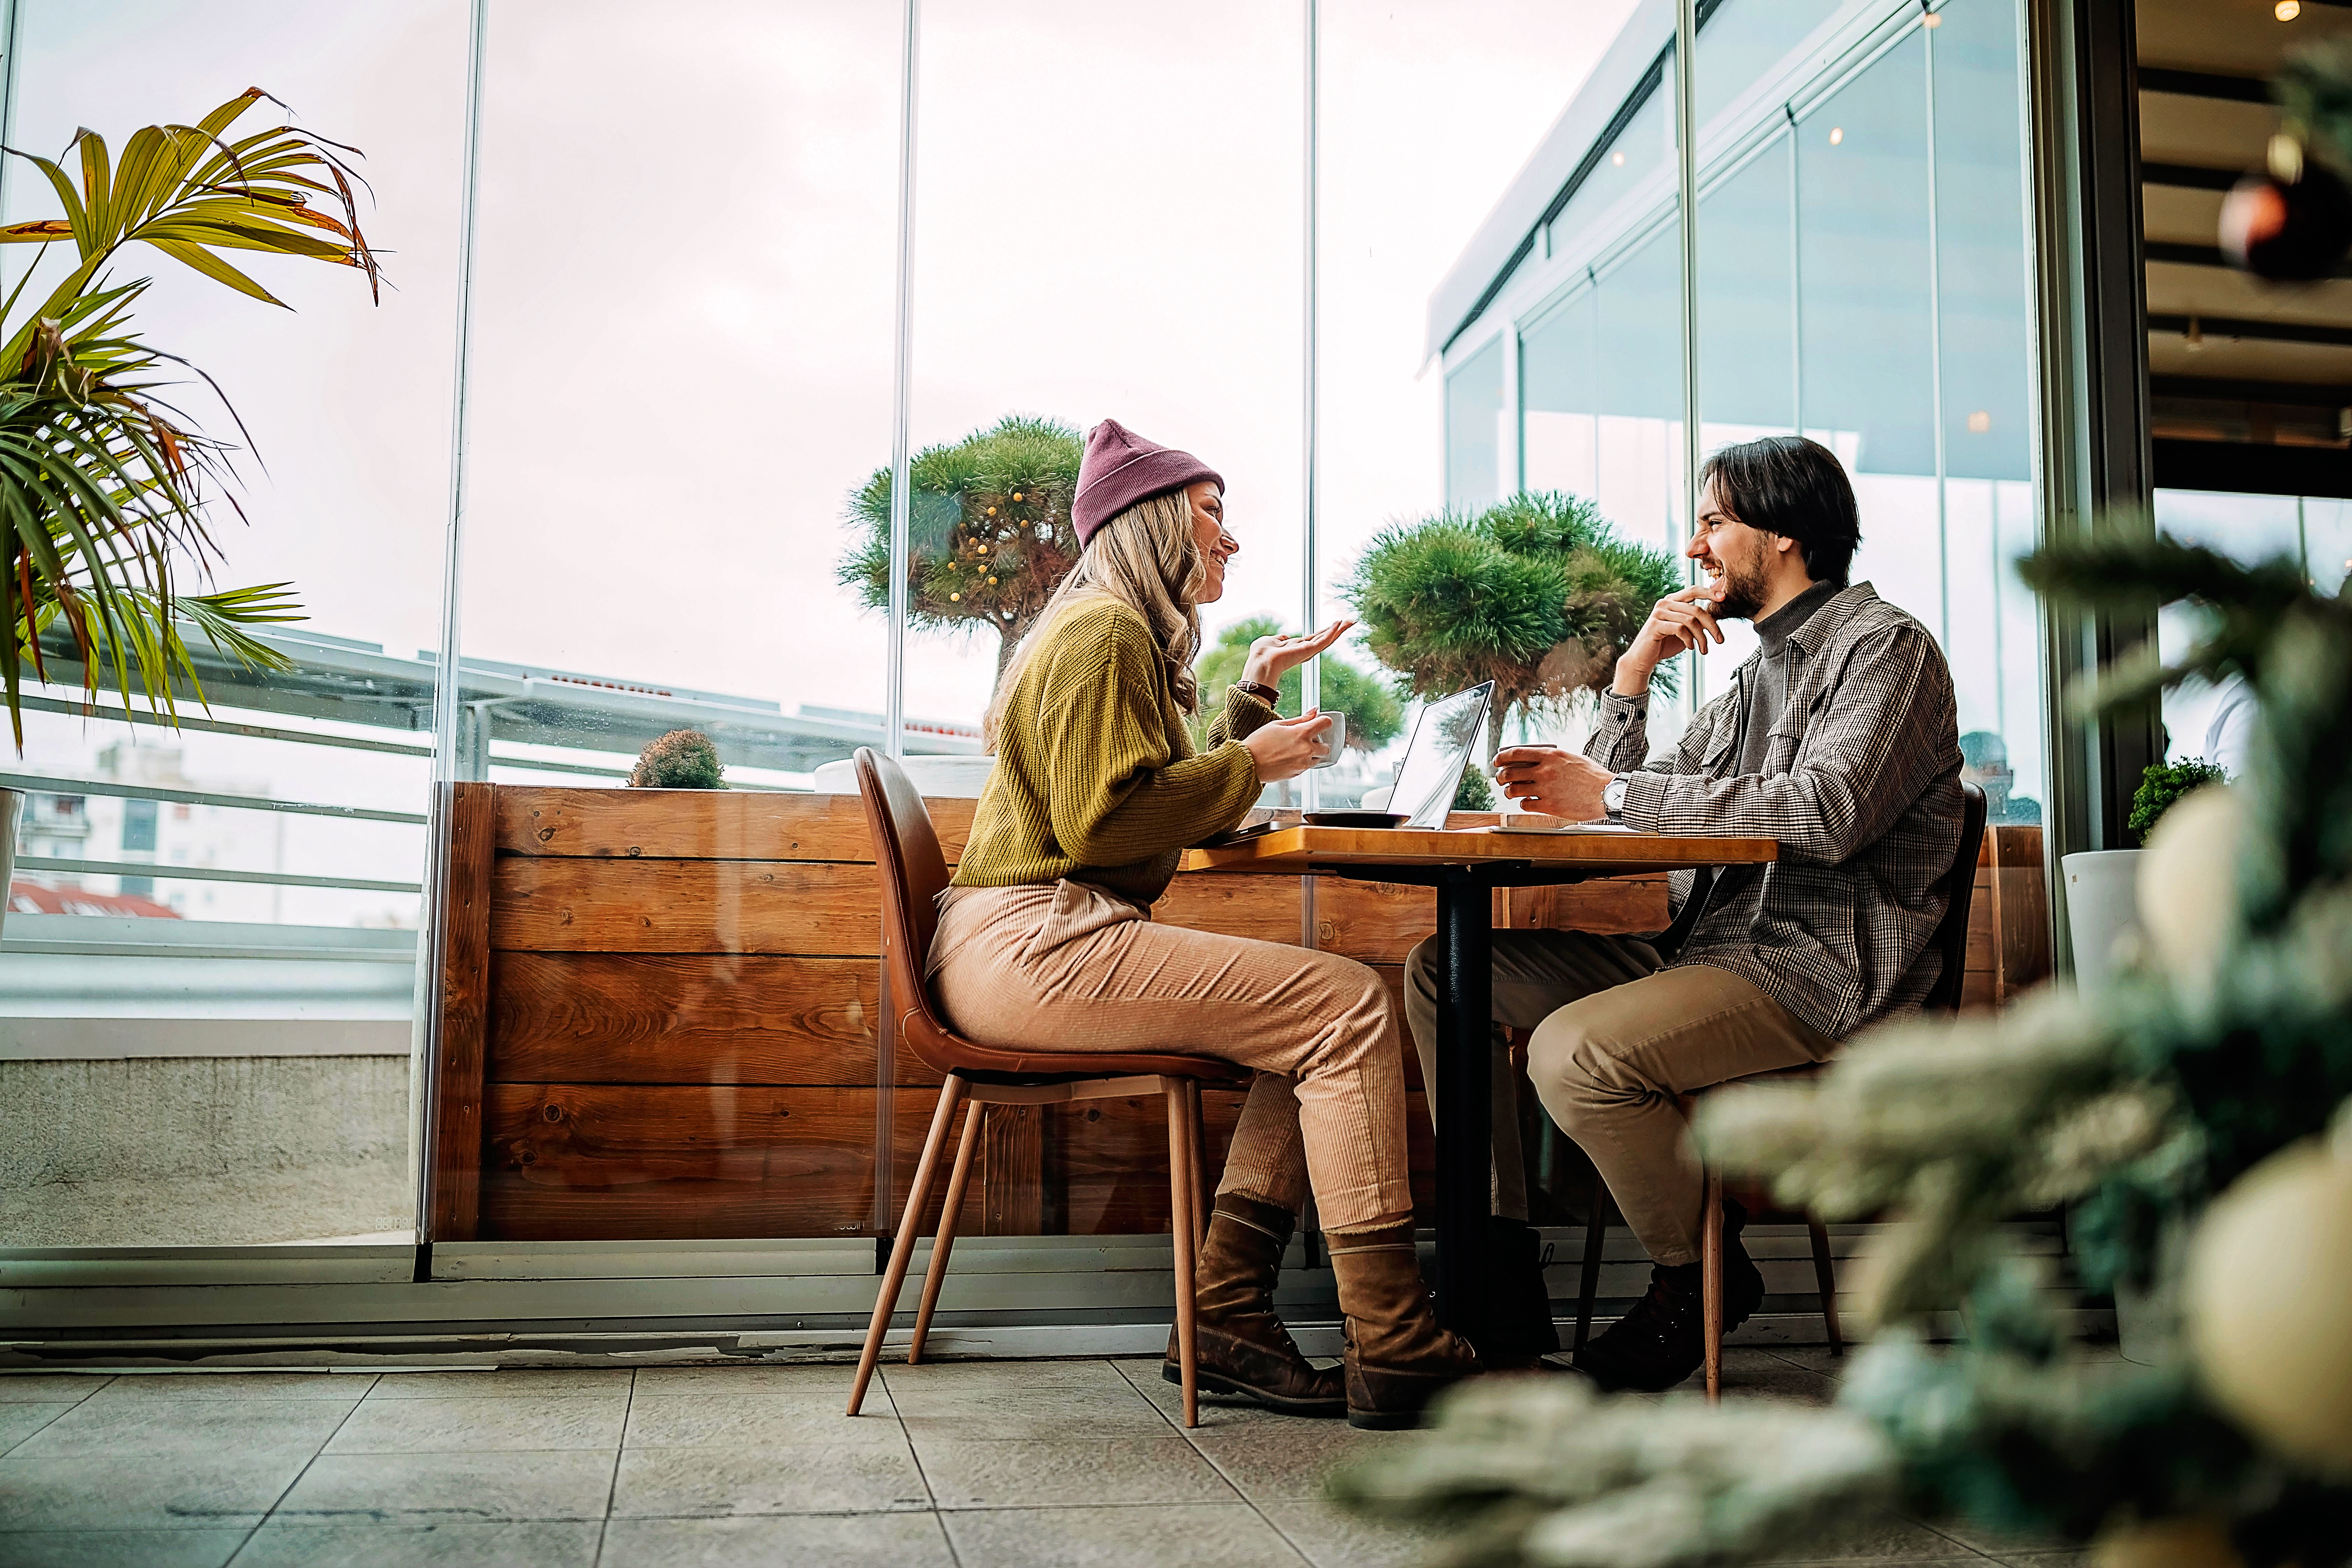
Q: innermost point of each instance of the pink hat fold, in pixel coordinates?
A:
(1120, 469)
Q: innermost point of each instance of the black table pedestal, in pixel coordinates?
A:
(1464, 1094)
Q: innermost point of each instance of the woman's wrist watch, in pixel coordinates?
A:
(1613, 798)
(1265, 694)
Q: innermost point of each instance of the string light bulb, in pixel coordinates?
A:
(2287, 10)
(1933, 19)
(1837, 134)
(1618, 159)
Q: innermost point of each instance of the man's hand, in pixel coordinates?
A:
(1684, 619)
(1557, 782)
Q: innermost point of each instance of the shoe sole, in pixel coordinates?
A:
(1384, 1420)
(1207, 1382)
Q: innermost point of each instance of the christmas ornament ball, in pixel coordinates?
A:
(2188, 883)
(2287, 230)
(2165, 1544)
(2269, 1276)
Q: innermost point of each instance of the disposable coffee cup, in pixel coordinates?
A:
(1336, 737)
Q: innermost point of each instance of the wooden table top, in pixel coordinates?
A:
(1294, 850)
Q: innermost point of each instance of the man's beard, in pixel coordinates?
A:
(1743, 593)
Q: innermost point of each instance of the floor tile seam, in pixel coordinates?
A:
(1271, 1523)
(288, 1489)
(1932, 1528)
(55, 1416)
(612, 1486)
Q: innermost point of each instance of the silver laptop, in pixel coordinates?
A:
(1439, 752)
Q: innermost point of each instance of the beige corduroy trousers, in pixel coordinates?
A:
(1069, 967)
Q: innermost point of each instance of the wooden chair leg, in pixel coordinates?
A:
(951, 1095)
(1202, 1186)
(1711, 1283)
(1825, 1277)
(1596, 1233)
(941, 1244)
(1181, 1222)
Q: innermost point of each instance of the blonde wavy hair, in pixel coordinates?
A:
(1148, 559)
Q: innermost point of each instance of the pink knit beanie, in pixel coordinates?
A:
(1120, 467)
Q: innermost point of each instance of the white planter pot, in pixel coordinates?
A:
(12, 810)
(2101, 910)
(940, 778)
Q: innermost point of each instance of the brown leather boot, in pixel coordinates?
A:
(1398, 1358)
(1240, 1345)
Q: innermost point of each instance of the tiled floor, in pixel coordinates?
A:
(962, 1465)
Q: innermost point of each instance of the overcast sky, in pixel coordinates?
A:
(684, 273)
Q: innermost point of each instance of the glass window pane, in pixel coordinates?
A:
(1474, 441)
(1638, 164)
(1985, 344)
(1109, 226)
(1744, 39)
(1747, 303)
(1868, 316)
(205, 984)
(1560, 433)
(668, 431)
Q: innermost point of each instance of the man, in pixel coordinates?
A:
(1838, 738)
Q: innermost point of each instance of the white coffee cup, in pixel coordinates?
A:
(1335, 737)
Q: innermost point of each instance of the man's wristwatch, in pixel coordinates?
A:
(1613, 798)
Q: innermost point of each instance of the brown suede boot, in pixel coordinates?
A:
(1398, 1358)
(1242, 1346)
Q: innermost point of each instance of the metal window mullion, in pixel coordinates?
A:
(893, 725)
(426, 1057)
(1310, 676)
(1935, 353)
(1686, 200)
(1795, 278)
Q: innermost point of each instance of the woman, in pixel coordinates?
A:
(1045, 939)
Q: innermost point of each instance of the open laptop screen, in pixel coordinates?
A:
(1440, 747)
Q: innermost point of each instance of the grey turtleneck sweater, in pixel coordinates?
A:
(1775, 674)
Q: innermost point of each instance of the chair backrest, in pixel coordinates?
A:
(913, 872)
(1951, 938)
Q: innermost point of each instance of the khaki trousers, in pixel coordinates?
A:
(1616, 1038)
(1073, 968)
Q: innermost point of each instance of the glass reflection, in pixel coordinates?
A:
(210, 940)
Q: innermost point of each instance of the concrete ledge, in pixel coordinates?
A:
(131, 1039)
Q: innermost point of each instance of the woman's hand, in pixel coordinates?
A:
(1271, 658)
(1285, 748)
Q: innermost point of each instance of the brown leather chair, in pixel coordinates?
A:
(913, 872)
(1949, 942)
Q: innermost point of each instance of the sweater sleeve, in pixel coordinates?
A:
(1118, 794)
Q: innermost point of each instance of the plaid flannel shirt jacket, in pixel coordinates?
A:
(1860, 785)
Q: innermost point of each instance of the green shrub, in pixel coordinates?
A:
(682, 759)
(2162, 785)
(1476, 793)
(1536, 594)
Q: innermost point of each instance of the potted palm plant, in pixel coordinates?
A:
(106, 485)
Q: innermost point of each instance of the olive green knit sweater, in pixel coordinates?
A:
(1095, 778)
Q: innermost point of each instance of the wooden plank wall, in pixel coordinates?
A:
(678, 1037)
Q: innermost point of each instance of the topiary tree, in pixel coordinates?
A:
(1375, 717)
(2161, 785)
(989, 535)
(682, 759)
(1535, 595)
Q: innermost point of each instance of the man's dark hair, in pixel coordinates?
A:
(1794, 487)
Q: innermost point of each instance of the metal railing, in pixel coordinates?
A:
(341, 685)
